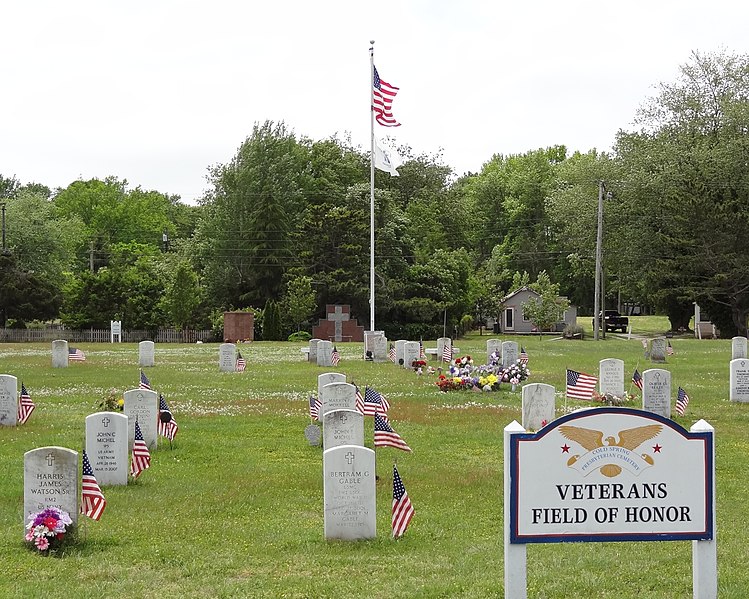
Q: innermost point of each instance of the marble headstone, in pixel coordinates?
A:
(326, 378)
(312, 356)
(337, 396)
(325, 353)
(738, 348)
(106, 446)
(441, 342)
(146, 353)
(8, 400)
(50, 479)
(400, 351)
(658, 349)
(60, 353)
(142, 404)
(492, 346)
(739, 380)
(342, 427)
(349, 493)
(380, 348)
(611, 376)
(509, 353)
(411, 352)
(369, 341)
(656, 391)
(539, 403)
(227, 357)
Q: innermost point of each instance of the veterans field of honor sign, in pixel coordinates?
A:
(610, 474)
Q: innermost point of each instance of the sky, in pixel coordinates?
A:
(156, 92)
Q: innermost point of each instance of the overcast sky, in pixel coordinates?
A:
(156, 91)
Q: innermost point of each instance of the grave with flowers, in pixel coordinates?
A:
(463, 375)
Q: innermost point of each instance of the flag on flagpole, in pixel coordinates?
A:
(375, 403)
(92, 499)
(669, 349)
(382, 101)
(335, 357)
(359, 399)
(447, 352)
(386, 159)
(523, 355)
(76, 355)
(385, 436)
(314, 407)
(391, 353)
(141, 457)
(682, 401)
(403, 511)
(25, 406)
(144, 382)
(241, 363)
(580, 385)
(637, 379)
(167, 424)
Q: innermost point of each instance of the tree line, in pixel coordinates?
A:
(285, 227)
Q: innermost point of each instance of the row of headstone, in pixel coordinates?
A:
(508, 352)
(60, 353)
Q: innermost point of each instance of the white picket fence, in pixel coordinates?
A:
(101, 336)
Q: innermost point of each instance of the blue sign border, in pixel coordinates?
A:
(706, 437)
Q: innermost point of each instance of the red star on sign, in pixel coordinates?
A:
(565, 448)
(657, 448)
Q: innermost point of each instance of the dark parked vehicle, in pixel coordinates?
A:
(611, 320)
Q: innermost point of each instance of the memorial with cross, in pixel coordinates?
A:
(338, 325)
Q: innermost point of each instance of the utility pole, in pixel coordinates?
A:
(599, 243)
(2, 206)
(91, 257)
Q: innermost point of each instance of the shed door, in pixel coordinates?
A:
(509, 319)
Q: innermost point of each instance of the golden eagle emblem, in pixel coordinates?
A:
(629, 439)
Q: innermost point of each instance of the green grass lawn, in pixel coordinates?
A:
(236, 508)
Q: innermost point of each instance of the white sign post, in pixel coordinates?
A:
(116, 330)
(610, 474)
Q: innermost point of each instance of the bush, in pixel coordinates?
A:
(573, 331)
(300, 336)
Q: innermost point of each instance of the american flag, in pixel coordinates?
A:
(167, 424)
(669, 349)
(403, 511)
(144, 382)
(314, 407)
(241, 363)
(579, 385)
(385, 436)
(391, 353)
(375, 403)
(382, 101)
(523, 355)
(359, 399)
(92, 499)
(76, 354)
(447, 352)
(682, 401)
(422, 355)
(141, 456)
(335, 357)
(637, 379)
(25, 406)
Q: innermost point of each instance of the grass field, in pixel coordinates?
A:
(236, 508)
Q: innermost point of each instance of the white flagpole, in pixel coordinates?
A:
(371, 193)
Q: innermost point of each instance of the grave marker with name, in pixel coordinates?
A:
(739, 381)
(337, 396)
(738, 348)
(400, 352)
(106, 446)
(441, 343)
(369, 339)
(349, 492)
(146, 353)
(411, 353)
(325, 353)
(658, 349)
(539, 404)
(380, 348)
(8, 400)
(50, 479)
(656, 391)
(494, 346)
(142, 404)
(312, 355)
(342, 427)
(611, 376)
(326, 379)
(59, 353)
(509, 353)
(227, 357)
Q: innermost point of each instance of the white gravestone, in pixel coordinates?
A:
(312, 356)
(656, 391)
(326, 379)
(738, 348)
(227, 357)
(739, 380)
(8, 400)
(142, 404)
(411, 352)
(50, 479)
(509, 353)
(369, 341)
(60, 353)
(493, 346)
(146, 352)
(342, 427)
(400, 352)
(106, 446)
(337, 396)
(658, 349)
(539, 404)
(380, 351)
(441, 343)
(611, 376)
(325, 353)
(349, 491)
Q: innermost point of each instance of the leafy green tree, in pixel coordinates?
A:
(23, 295)
(547, 309)
(271, 321)
(183, 296)
(299, 301)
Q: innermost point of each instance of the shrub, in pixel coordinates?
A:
(300, 336)
(573, 331)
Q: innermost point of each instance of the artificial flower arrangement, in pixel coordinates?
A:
(463, 376)
(48, 529)
(112, 402)
(516, 373)
(609, 399)
(416, 364)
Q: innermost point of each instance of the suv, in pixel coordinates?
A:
(610, 320)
